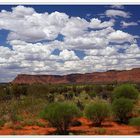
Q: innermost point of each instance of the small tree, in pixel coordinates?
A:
(125, 91)
(122, 108)
(97, 111)
(80, 105)
(92, 94)
(50, 97)
(60, 115)
(68, 95)
(135, 122)
(16, 91)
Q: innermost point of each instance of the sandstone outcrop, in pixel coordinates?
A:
(113, 76)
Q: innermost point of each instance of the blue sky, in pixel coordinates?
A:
(83, 11)
(63, 39)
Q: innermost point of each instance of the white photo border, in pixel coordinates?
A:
(69, 2)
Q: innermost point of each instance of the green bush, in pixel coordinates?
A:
(100, 131)
(14, 112)
(5, 93)
(60, 115)
(50, 97)
(92, 94)
(2, 122)
(40, 124)
(68, 96)
(98, 89)
(75, 123)
(80, 105)
(135, 122)
(122, 109)
(125, 91)
(98, 111)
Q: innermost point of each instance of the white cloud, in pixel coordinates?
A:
(120, 37)
(117, 13)
(117, 6)
(25, 24)
(89, 40)
(99, 42)
(97, 24)
(75, 27)
(68, 55)
(133, 49)
(21, 11)
(126, 24)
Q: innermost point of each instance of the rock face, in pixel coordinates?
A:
(113, 76)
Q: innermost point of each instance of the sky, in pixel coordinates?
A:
(65, 39)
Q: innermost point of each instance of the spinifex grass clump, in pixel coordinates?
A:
(135, 122)
(60, 115)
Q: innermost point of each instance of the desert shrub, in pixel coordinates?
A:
(40, 124)
(122, 109)
(59, 98)
(135, 122)
(88, 88)
(100, 131)
(39, 90)
(137, 87)
(50, 98)
(74, 88)
(125, 91)
(14, 112)
(16, 91)
(92, 94)
(2, 122)
(68, 96)
(18, 127)
(109, 87)
(60, 115)
(80, 105)
(31, 105)
(83, 96)
(97, 111)
(75, 123)
(98, 89)
(32, 122)
(5, 93)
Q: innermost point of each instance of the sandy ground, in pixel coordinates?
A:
(108, 128)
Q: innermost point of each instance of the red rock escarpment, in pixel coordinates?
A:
(132, 76)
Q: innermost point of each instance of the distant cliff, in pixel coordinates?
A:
(113, 76)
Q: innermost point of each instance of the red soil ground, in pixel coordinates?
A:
(108, 128)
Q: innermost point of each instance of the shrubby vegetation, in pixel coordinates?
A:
(126, 91)
(122, 108)
(60, 115)
(23, 103)
(98, 111)
(135, 122)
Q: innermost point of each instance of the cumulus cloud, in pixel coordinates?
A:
(34, 37)
(25, 24)
(97, 24)
(117, 6)
(75, 27)
(117, 13)
(21, 11)
(126, 24)
(68, 55)
(120, 37)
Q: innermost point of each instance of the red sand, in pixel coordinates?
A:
(108, 128)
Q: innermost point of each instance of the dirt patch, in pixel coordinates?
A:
(28, 130)
(108, 128)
